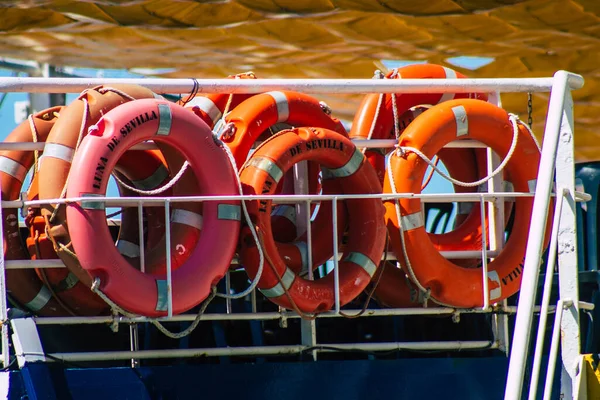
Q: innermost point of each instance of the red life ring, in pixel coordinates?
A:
(160, 121)
(366, 237)
(147, 171)
(242, 128)
(451, 284)
(55, 163)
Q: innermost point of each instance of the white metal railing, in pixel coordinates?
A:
(554, 152)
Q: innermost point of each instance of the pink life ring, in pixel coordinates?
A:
(117, 131)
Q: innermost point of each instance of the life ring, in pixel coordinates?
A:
(448, 283)
(141, 169)
(379, 115)
(367, 234)
(210, 107)
(55, 165)
(160, 121)
(394, 288)
(247, 122)
(23, 286)
(64, 286)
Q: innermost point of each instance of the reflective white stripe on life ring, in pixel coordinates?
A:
(153, 180)
(495, 293)
(12, 168)
(278, 290)
(464, 208)
(164, 120)
(92, 204)
(303, 249)
(230, 212)
(208, 106)
(186, 217)
(450, 74)
(462, 122)
(283, 108)
(363, 261)
(412, 221)
(128, 249)
(268, 166)
(286, 211)
(56, 150)
(162, 297)
(532, 184)
(40, 300)
(347, 169)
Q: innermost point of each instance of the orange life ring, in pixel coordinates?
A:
(366, 240)
(242, 128)
(394, 288)
(371, 108)
(23, 285)
(450, 284)
(160, 121)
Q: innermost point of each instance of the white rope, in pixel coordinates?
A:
(250, 225)
(34, 135)
(537, 143)
(159, 190)
(121, 93)
(426, 292)
(118, 310)
(395, 113)
(514, 121)
(377, 75)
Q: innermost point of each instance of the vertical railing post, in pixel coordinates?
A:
(168, 256)
(308, 328)
(537, 228)
(497, 225)
(568, 273)
(3, 305)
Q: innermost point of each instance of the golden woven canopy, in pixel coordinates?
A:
(321, 38)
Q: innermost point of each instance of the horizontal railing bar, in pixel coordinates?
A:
(278, 199)
(449, 254)
(158, 201)
(361, 143)
(39, 146)
(267, 316)
(330, 86)
(269, 350)
(390, 143)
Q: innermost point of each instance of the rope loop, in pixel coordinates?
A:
(514, 121)
(253, 230)
(159, 190)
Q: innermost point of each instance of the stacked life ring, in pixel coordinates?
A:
(160, 121)
(24, 287)
(55, 166)
(447, 283)
(375, 116)
(246, 124)
(367, 234)
(141, 169)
